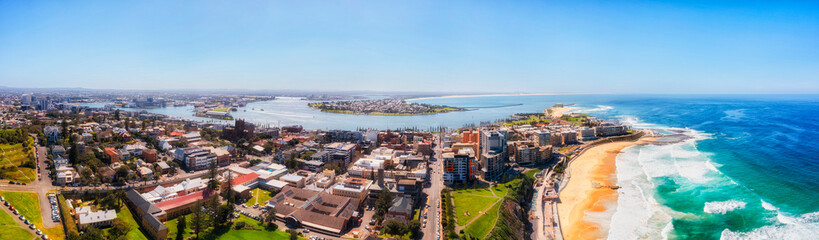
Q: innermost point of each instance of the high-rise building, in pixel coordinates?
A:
(493, 153)
(460, 166)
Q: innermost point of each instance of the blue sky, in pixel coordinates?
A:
(451, 46)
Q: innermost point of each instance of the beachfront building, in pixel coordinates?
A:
(610, 129)
(525, 152)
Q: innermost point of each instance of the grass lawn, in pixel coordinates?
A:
(481, 226)
(9, 229)
(254, 235)
(258, 194)
(473, 204)
(17, 155)
(502, 189)
(232, 234)
(477, 191)
(126, 215)
(27, 204)
(248, 221)
(532, 172)
(171, 225)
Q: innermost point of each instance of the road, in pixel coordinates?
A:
(434, 193)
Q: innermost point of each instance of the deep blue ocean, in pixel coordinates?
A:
(748, 167)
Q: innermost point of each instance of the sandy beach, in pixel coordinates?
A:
(586, 190)
(557, 112)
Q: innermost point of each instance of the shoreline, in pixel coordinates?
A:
(490, 95)
(588, 190)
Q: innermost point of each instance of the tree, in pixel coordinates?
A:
(73, 153)
(270, 219)
(120, 228)
(292, 164)
(383, 203)
(198, 219)
(122, 173)
(64, 126)
(213, 183)
(294, 235)
(394, 227)
(180, 228)
(92, 233)
(414, 227)
(224, 214)
(228, 191)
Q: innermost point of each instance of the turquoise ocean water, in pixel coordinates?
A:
(740, 166)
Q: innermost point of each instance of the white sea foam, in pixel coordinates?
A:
(768, 206)
(723, 206)
(599, 108)
(734, 115)
(638, 214)
(793, 228)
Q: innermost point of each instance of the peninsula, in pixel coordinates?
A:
(382, 107)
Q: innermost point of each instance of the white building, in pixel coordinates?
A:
(97, 219)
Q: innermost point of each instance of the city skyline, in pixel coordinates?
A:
(578, 47)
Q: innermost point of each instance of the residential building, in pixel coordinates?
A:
(341, 153)
(113, 155)
(195, 158)
(53, 133)
(493, 153)
(460, 166)
(149, 155)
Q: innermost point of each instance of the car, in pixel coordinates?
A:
(306, 230)
(32, 226)
(372, 222)
(11, 182)
(24, 183)
(39, 232)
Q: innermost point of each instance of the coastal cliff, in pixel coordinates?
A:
(513, 215)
